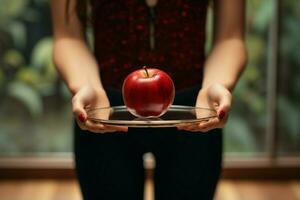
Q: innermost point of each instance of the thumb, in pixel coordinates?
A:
(78, 109)
(224, 106)
(221, 97)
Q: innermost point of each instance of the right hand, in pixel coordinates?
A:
(89, 97)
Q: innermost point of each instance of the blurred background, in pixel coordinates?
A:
(262, 137)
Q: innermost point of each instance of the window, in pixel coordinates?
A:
(36, 118)
(35, 113)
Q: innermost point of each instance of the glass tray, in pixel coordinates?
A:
(176, 115)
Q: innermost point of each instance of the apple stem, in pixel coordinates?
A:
(145, 68)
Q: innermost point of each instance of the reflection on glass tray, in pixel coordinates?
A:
(176, 115)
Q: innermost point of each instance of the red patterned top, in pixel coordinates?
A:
(121, 30)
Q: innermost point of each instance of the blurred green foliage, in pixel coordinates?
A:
(27, 71)
(245, 131)
(289, 81)
(246, 128)
(30, 90)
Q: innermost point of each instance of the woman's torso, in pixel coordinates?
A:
(121, 32)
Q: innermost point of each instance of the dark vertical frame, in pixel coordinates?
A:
(272, 77)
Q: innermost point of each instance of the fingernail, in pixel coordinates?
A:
(81, 117)
(222, 114)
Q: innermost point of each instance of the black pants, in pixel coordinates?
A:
(110, 166)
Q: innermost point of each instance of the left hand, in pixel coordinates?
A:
(216, 97)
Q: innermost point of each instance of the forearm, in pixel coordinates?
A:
(225, 63)
(76, 64)
(73, 59)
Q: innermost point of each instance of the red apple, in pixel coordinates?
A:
(148, 92)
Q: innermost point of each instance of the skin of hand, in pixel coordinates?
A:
(88, 97)
(216, 97)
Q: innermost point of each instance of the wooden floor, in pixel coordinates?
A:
(227, 190)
